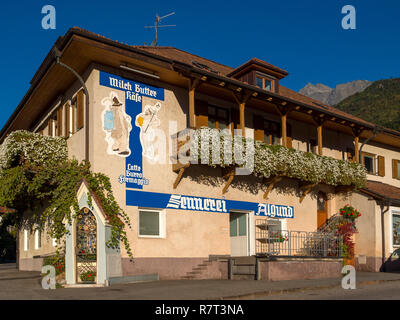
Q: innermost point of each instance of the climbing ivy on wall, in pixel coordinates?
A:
(36, 176)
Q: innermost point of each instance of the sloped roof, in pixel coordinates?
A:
(188, 58)
(176, 56)
(382, 191)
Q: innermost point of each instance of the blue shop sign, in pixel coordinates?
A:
(202, 204)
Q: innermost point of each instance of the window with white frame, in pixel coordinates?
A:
(152, 223)
(26, 240)
(38, 239)
(396, 230)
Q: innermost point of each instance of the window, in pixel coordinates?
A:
(349, 155)
(73, 116)
(265, 83)
(152, 223)
(396, 230)
(52, 125)
(26, 240)
(321, 202)
(238, 224)
(368, 160)
(312, 146)
(38, 239)
(54, 242)
(266, 131)
(272, 132)
(396, 168)
(218, 117)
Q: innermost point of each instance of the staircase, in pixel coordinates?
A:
(198, 272)
(330, 224)
(318, 245)
(243, 268)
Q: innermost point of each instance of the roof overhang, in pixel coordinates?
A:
(80, 49)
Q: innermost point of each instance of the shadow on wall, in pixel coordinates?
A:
(213, 177)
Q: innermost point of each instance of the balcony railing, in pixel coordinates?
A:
(283, 243)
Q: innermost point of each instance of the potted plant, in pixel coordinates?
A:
(88, 276)
(277, 237)
(348, 212)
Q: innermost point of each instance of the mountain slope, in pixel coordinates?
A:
(331, 96)
(379, 103)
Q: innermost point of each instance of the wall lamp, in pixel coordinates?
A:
(133, 69)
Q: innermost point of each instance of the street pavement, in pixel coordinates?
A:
(380, 291)
(27, 285)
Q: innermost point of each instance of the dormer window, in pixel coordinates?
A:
(259, 73)
(265, 83)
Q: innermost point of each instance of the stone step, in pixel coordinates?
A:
(193, 273)
(243, 277)
(243, 269)
(199, 268)
(244, 261)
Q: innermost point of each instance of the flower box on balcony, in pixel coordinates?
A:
(265, 161)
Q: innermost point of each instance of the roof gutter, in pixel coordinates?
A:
(57, 56)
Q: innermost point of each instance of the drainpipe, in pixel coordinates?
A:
(375, 132)
(57, 55)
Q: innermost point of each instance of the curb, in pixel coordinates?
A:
(254, 295)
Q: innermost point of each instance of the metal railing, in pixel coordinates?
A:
(330, 224)
(286, 243)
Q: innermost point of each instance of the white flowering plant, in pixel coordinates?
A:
(273, 160)
(35, 149)
(36, 175)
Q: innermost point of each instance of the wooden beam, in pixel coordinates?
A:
(284, 130)
(319, 132)
(271, 183)
(306, 190)
(230, 175)
(179, 177)
(343, 189)
(319, 122)
(193, 84)
(356, 149)
(242, 123)
(241, 100)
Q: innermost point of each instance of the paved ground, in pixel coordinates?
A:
(381, 291)
(26, 285)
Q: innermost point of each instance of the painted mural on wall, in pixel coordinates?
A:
(125, 139)
(148, 122)
(117, 125)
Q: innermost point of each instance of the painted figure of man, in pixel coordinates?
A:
(117, 124)
(148, 121)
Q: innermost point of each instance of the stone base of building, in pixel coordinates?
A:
(31, 264)
(369, 264)
(298, 270)
(177, 268)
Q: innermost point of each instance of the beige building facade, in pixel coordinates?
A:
(192, 220)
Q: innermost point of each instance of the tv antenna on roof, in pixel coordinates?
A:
(156, 26)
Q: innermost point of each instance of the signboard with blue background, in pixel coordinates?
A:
(134, 93)
(134, 177)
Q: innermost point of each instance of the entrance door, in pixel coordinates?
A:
(86, 247)
(322, 209)
(239, 234)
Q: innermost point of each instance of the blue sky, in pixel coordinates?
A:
(304, 37)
